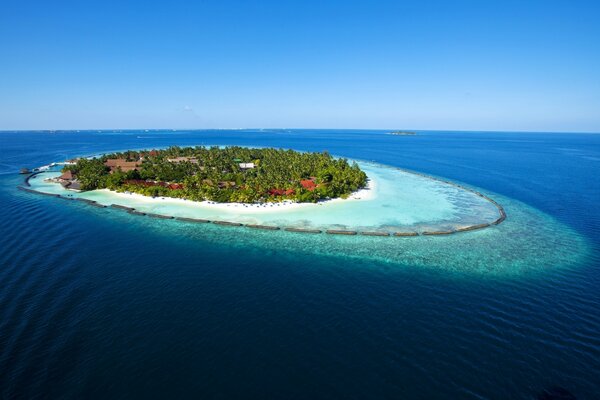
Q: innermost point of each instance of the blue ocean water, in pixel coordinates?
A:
(104, 305)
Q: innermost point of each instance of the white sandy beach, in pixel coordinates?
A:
(392, 198)
(367, 193)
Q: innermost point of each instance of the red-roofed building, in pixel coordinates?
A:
(122, 164)
(281, 192)
(67, 176)
(308, 184)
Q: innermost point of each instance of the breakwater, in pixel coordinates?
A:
(501, 212)
(28, 177)
(375, 233)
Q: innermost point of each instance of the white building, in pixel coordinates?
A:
(248, 165)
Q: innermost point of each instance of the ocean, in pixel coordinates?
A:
(97, 303)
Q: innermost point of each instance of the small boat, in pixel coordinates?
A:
(24, 171)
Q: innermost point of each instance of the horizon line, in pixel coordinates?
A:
(273, 129)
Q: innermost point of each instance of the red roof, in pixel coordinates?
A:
(308, 184)
(113, 162)
(281, 192)
(67, 175)
(145, 183)
(122, 164)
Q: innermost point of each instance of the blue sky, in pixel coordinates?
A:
(456, 65)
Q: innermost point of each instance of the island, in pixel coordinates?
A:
(219, 174)
(401, 133)
(268, 189)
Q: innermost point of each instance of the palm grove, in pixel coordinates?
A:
(230, 174)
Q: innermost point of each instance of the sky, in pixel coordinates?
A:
(423, 65)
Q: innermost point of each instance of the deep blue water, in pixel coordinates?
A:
(95, 305)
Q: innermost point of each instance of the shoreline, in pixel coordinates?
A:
(243, 214)
(365, 194)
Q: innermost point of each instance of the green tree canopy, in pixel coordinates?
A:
(214, 173)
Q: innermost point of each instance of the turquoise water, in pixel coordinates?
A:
(398, 201)
(527, 241)
(394, 201)
(98, 303)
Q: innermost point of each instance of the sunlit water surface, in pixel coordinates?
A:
(394, 200)
(100, 303)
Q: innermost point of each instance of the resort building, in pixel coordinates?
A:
(308, 184)
(245, 166)
(172, 186)
(193, 160)
(122, 164)
(68, 180)
(281, 192)
(67, 176)
(73, 185)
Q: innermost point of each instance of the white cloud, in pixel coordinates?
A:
(189, 110)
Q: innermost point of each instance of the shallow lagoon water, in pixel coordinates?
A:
(97, 303)
(527, 241)
(396, 201)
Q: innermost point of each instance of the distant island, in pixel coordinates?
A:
(224, 175)
(401, 133)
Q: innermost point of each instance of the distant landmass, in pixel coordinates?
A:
(401, 133)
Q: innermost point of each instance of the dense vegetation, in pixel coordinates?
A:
(215, 174)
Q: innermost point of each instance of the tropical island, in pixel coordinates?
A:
(223, 175)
